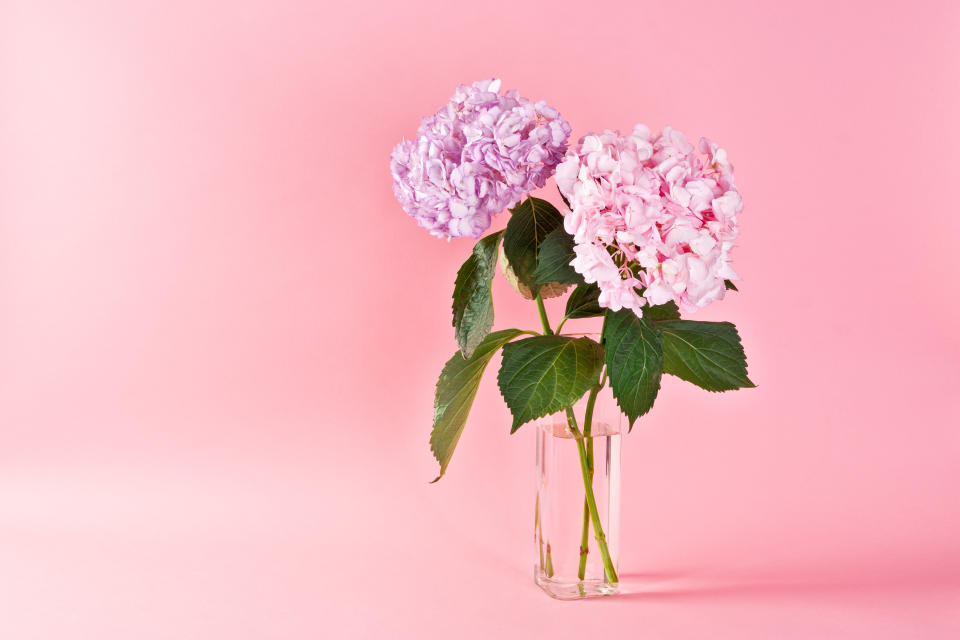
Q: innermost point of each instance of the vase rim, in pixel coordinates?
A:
(557, 427)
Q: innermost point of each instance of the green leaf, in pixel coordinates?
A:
(547, 291)
(456, 390)
(563, 197)
(634, 350)
(708, 354)
(472, 298)
(667, 311)
(554, 257)
(529, 224)
(729, 285)
(546, 374)
(582, 303)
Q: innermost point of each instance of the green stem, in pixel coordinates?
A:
(584, 548)
(543, 316)
(609, 569)
(587, 426)
(586, 467)
(585, 530)
(591, 501)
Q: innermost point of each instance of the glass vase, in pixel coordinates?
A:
(577, 523)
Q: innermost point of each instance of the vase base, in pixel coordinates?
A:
(562, 590)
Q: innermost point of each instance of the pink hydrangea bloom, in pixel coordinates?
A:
(649, 212)
(475, 157)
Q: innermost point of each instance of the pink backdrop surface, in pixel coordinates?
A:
(219, 334)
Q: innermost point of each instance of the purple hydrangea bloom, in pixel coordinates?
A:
(475, 157)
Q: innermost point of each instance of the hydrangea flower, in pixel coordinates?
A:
(648, 212)
(475, 157)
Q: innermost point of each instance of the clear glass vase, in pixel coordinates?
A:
(577, 524)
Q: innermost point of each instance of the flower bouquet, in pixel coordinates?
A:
(648, 225)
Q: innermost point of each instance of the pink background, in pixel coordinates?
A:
(219, 334)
